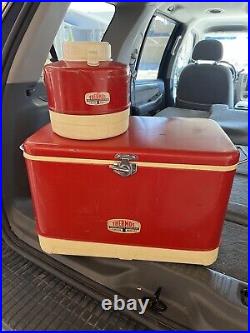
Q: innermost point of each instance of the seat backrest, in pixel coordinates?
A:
(204, 84)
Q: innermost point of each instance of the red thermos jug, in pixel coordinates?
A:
(88, 93)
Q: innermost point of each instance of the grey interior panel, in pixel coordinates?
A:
(233, 251)
(238, 203)
(234, 123)
(172, 111)
(148, 97)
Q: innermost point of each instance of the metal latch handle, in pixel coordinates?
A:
(125, 167)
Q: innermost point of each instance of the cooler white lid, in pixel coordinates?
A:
(92, 52)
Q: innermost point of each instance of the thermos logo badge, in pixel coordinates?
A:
(97, 98)
(124, 226)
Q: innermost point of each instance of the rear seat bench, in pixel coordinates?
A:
(234, 123)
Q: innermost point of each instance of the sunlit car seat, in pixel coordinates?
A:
(205, 81)
(205, 90)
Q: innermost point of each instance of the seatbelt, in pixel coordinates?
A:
(133, 74)
(53, 54)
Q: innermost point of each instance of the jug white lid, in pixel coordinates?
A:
(92, 52)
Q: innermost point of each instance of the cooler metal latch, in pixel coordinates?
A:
(125, 167)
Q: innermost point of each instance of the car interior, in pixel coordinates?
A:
(186, 60)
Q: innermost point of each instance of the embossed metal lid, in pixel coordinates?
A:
(189, 141)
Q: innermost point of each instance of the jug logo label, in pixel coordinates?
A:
(124, 226)
(97, 98)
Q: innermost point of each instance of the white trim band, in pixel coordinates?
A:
(88, 161)
(126, 252)
(90, 127)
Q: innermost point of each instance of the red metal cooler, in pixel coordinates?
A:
(88, 93)
(158, 192)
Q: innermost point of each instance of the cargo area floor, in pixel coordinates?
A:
(233, 254)
(35, 300)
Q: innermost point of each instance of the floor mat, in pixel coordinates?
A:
(35, 300)
(238, 203)
(239, 190)
(233, 255)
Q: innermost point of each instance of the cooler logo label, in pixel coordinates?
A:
(97, 98)
(124, 226)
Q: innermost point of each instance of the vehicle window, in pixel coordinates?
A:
(183, 57)
(153, 47)
(84, 21)
(235, 48)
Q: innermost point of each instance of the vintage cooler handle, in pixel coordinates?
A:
(244, 153)
(125, 167)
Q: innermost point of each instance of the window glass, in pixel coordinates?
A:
(84, 21)
(235, 48)
(155, 43)
(4, 5)
(183, 57)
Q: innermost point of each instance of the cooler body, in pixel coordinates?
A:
(158, 192)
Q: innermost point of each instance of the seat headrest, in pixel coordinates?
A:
(210, 49)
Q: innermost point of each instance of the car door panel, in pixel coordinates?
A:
(149, 97)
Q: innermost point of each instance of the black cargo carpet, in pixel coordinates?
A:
(233, 253)
(34, 299)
